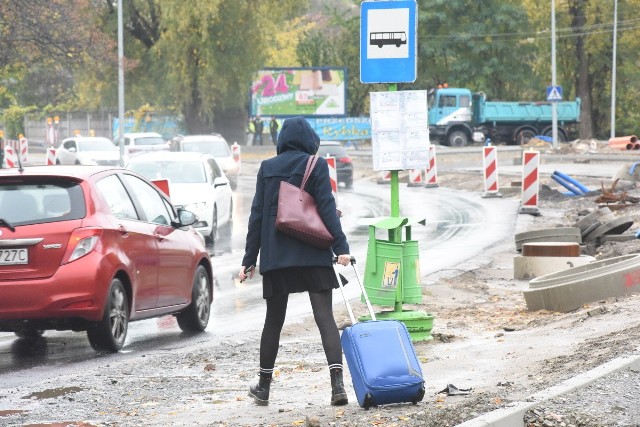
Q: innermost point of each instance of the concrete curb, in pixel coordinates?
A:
(513, 415)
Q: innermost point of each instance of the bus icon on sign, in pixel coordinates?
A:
(382, 38)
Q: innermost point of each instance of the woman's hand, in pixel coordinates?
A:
(344, 259)
(246, 272)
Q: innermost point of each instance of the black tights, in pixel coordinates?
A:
(321, 303)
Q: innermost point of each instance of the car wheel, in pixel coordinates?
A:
(109, 333)
(195, 317)
(348, 184)
(211, 238)
(29, 334)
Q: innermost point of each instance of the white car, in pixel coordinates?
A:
(196, 183)
(87, 150)
(142, 142)
(213, 144)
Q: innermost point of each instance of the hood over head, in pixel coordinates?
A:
(297, 134)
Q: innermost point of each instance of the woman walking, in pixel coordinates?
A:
(288, 265)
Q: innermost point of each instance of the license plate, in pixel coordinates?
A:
(14, 256)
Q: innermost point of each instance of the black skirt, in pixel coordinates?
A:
(298, 279)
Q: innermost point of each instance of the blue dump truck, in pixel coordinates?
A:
(457, 117)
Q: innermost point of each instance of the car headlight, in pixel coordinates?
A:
(197, 206)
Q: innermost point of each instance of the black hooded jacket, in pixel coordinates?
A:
(296, 142)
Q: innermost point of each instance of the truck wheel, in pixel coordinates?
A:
(562, 136)
(524, 136)
(458, 139)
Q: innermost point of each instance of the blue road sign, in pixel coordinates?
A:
(388, 41)
(554, 93)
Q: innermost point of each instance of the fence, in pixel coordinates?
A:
(38, 132)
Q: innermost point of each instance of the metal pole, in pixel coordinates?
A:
(120, 85)
(554, 106)
(613, 70)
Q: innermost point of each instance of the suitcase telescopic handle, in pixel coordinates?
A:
(362, 291)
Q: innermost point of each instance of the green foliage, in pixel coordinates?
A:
(13, 118)
(471, 44)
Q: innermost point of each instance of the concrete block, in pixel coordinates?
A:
(570, 289)
(529, 267)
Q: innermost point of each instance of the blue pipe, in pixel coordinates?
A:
(573, 181)
(567, 185)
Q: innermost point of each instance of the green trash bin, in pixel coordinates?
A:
(383, 272)
(411, 282)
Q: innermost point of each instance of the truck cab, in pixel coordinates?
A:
(450, 115)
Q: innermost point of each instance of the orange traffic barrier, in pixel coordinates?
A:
(624, 142)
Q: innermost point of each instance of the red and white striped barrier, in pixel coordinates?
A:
(490, 166)
(10, 159)
(23, 150)
(432, 172)
(415, 178)
(50, 158)
(235, 152)
(530, 182)
(333, 175)
(385, 177)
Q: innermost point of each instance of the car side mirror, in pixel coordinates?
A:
(72, 149)
(186, 218)
(220, 181)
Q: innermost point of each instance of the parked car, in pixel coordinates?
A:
(344, 165)
(213, 144)
(87, 150)
(141, 142)
(196, 183)
(94, 248)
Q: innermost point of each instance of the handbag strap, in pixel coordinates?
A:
(311, 163)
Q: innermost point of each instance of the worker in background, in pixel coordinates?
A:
(274, 126)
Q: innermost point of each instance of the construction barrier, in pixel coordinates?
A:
(23, 149)
(384, 177)
(415, 178)
(235, 152)
(50, 158)
(490, 167)
(432, 172)
(624, 143)
(10, 159)
(530, 182)
(333, 175)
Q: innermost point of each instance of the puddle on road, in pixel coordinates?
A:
(53, 392)
(8, 412)
(62, 424)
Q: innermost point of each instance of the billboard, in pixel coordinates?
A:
(309, 92)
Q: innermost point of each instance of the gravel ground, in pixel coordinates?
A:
(484, 340)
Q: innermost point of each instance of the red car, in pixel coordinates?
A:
(91, 248)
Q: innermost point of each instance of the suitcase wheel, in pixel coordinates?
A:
(368, 401)
(419, 396)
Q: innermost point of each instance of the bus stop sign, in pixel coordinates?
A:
(388, 41)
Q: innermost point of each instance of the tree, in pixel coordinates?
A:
(472, 44)
(199, 56)
(43, 43)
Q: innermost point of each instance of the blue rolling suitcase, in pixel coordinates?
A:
(381, 358)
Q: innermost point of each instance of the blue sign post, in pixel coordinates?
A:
(554, 93)
(388, 41)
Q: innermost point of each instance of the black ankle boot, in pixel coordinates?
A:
(260, 391)
(338, 394)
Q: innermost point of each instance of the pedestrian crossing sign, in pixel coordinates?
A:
(554, 93)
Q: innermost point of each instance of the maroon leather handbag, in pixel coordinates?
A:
(298, 215)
